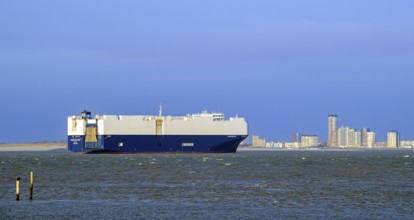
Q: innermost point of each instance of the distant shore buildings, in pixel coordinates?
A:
(258, 142)
(393, 139)
(343, 137)
(309, 141)
(332, 130)
(347, 137)
(305, 141)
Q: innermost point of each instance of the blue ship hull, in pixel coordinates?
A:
(156, 144)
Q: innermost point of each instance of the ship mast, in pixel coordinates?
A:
(160, 112)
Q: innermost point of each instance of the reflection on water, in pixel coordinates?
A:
(294, 184)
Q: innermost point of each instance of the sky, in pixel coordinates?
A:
(282, 65)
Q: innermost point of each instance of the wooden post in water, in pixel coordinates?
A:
(31, 185)
(18, 189)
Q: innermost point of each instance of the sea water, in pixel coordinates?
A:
(245, 185)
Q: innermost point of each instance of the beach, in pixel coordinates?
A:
(47, 146)
(38, 146)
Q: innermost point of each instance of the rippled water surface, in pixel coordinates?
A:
(245, 185)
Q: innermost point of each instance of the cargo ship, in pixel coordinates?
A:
(194, 133)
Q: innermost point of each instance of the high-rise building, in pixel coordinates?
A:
(351, 138)
(358, 139)
(393, 139)
(343, 137)
(296, 137)
(332, 130)
(309, 140)
(364, 136)
(370, 139)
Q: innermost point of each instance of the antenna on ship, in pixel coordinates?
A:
(160, 111)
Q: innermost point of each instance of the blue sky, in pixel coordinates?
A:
(283, 65)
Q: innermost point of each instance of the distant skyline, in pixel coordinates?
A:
(333, 132)
(283, 65)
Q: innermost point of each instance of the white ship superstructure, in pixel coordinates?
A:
(204, 132)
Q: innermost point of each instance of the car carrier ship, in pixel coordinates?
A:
(195, 133)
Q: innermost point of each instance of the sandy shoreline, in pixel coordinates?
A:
(41, 146)
(46, 146)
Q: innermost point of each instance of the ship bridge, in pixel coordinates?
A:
(214, 116)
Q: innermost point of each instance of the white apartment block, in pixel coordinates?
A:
(343, 136)
(370, 139)
(393, 139)
(258, 142)
(309, 140)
